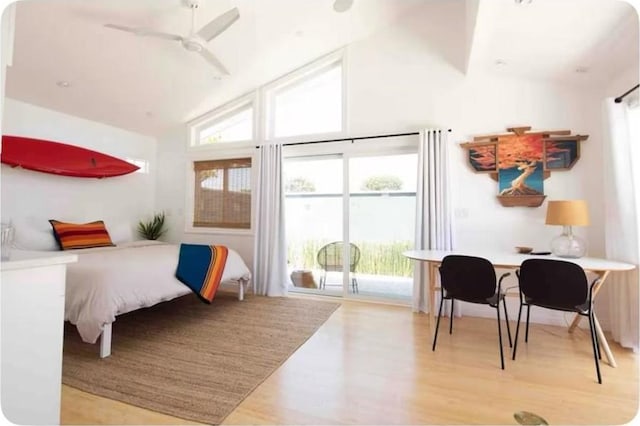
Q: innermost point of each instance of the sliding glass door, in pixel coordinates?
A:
(314, 218)
(349, 216)
(382, 206)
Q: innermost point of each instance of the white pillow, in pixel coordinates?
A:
(119, 231)
(34, 234)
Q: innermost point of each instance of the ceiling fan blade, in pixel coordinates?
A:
(210, 57)
(218, 25)
(145, 32)
(123, 28)
(158, 34)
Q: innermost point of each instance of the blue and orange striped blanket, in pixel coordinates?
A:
(200, 268)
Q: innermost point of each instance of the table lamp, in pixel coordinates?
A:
(568, 213)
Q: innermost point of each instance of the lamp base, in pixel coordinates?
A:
(569, 246)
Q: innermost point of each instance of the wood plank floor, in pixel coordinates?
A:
(373, 364)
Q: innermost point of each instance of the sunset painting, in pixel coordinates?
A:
(483, 158)
(561, 155)
(521, 165)
(520, 161)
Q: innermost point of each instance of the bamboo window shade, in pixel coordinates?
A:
(222, 193)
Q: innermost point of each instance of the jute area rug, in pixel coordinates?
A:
(192, 360)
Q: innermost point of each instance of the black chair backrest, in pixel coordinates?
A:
(468, 277)
(553, 283)
(330, 256)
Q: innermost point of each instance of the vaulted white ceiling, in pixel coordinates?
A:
(571, 40)
(148, 85)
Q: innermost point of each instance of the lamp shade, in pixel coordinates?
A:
(568, 212)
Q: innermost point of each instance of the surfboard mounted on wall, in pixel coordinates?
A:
(61, 159)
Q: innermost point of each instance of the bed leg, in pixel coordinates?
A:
(241, 290)
(105, 341)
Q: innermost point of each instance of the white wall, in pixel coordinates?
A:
(401, 80)
(622, 82)
(34, 197)
(407, 78)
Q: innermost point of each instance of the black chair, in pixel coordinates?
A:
(329, 258)
(471, 279)
(557, 285)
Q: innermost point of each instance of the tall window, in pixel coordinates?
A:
(222, 194)
(309, 103)
(234, 125)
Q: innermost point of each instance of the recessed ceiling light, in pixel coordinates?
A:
(63, 83)
(342, 5)
(582, 70)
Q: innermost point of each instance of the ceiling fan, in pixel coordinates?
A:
(195, 41)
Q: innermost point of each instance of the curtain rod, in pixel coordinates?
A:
(392, 135)
(619, 98)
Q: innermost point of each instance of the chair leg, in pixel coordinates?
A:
(594, 344)
(500, 336)
(526, 334)
(506, 319)
(451, 318)
(435, 337)
(598, 346)
(354, 283)
(515, 343)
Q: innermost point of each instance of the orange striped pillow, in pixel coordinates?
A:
(76, 235)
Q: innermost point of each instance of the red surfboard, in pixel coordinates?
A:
(61, 159)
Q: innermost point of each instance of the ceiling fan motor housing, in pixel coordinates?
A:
(192, 45)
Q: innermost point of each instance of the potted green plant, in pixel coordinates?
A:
(152, 229)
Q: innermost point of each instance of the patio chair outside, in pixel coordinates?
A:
(330, 260)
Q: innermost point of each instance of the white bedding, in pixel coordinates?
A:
(110, 281)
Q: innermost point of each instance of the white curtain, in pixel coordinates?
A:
(269, 264)
(621, 187)
(434, 226)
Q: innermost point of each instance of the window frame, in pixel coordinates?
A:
(296, 78)
(257, 99)
(209, 119)
(143, 164)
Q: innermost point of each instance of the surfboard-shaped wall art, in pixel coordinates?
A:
(61, 159)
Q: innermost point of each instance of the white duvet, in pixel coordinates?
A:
(110, 281)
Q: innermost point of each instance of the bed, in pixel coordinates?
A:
(109, 281)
